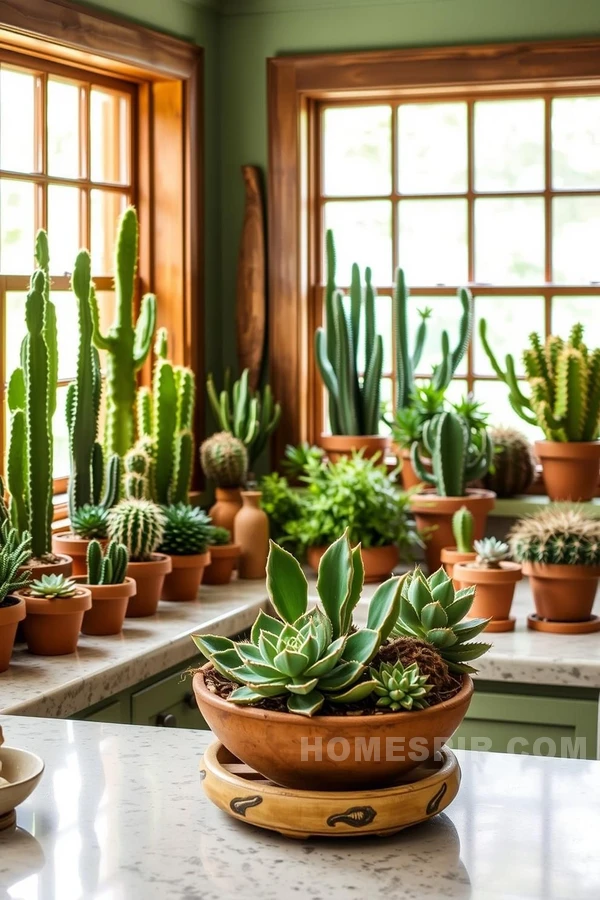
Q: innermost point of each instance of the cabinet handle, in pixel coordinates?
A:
(190, 700)
(166, 720)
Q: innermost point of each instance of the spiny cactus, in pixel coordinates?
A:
(14, 553)
(139, 525)
(490, 553)
(4, 513)
(107, 568)
(187, 530)
(399, 687)
(225, 460)
(513, 466)
(53, 587)
(250, 415)
(219, 537)
(433, 611)
(138, 468)
(463, 525)
(564, 382)
(354, 402)
(89, 522)
(456, 459)
(83, 409)
(127, 346)
(557, 536)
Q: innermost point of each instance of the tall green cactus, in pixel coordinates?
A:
(564, 382)
(251, 416)
(127, 346)
(455, 458)
(354, 401)
(17, 463)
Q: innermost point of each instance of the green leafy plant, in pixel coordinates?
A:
(90, 522)
(296, 458)
(219, 537)
(282, 504)
(139, 525)
(456, 458)
(14, 553)
(513, 467)
(308, 656)
(463, 525)
(224, 459)
(399, 687)
(252, 416)
(107, 568)
(557, 536)
(53, 587)
(490, 553)
(187, 530)
(432, 610)
(564, 385)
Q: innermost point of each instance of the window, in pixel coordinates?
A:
(409, 155)
(65, 165)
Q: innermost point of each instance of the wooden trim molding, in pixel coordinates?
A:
(296, 84)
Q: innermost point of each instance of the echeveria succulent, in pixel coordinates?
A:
(398, 687)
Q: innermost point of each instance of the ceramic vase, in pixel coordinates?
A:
(251, 532)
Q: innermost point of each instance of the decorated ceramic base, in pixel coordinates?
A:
(8, 820)
(246, 795)
(587, 627)
(498, 625)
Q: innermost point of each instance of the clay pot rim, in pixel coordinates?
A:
(509, 572)
(127, 588)
(69, 537)
(159, 564)
(559, 572)
(568, 449)
(224, 551)
(81, 601)
(190, 560)
(452, 554)
(342, 439)
(16, 612)
(296, 720)
(250, 493)
(64, 560)
(430, 502)
(224, 493)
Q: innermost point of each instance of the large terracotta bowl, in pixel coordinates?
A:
(341, 752)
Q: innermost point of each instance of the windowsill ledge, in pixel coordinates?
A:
(527, 504)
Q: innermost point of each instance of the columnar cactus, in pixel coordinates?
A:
(138, 468)
(564, 382)
(354, 401)
(251, 416)
(110, 568)
(127, 346)
(139, 525)
(454, 457)
(513, 467)
(463, 525)
(225, 460)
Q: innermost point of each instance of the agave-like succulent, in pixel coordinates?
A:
(309, 655)
(490, 552)
(89, 522)
(53, 587)
(432, 610)
(398, 687)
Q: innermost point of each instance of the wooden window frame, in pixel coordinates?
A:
(297, 85)
(167, 74)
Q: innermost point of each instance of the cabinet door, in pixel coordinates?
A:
(116, 712)
(169, 703)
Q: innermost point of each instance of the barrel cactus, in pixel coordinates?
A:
(139, 525)
(225, 460)
(188, 530)
(513, 467)
(555, 536)
(456, 458)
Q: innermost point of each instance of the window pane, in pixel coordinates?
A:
(576, 239)
(15, 329)
(432, 148)
(67, 323)
(432, 237)
(446, 313)
(363, 234)
(357, 151)
(109, 125)
(63, 228)
(383, 326)
(566, 311)
(63, 129)
(510, 321)
(509, 145)
(509, 241)
(107, 206)
(16, 227)
(576, 142)
(494, 395)
(61, 435)
(17, 91)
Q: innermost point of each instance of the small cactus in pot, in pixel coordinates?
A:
(139, 526)
(110, 587)
(224, 460)
(55, 608)
(186, 539)
(494, 579)
(513, 467)
(463, 525)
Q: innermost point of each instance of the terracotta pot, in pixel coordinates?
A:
(52, 626)
(410, 479)
(495, 589)
(272, 743)
(338, 445)
(562, 593)
(183, 581)
(379, 562)
(149, 578)
(228, 505)
(69, 544)
(12, 611)
(435, 513)
(109, 605)
(251, 532)
(64, 566)
(570, 469)
(223, 558)
(450, 557)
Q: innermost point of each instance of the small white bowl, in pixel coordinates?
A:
(23, 771)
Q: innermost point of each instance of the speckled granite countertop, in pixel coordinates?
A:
(103, 666)
(120, 814)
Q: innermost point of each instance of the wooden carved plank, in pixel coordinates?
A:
(251, 305)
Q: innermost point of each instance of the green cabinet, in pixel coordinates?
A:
(169, 702)
(115, 712)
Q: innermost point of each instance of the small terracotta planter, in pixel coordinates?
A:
(52, 627)
(410, 479)
(109, 605)
(451, 557)
(272, 742)
(223, 558)
(149, 578)
(433, 514)
(251, 532)
(570, 469)
(379, 562)
(63, 566)
(184, 580)
(12, 611)
(67, 543)
(563, 595)
(338, 445)
(228, 505)
(495, 589)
